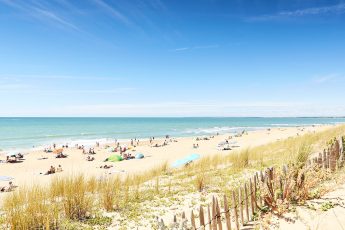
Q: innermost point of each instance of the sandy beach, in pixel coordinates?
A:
(31, 170)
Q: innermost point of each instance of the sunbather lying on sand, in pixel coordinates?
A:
(128, 156)
(90, 158)
(106, 166)
(61, 155)
(11, 159)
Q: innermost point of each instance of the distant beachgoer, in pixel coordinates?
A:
(8, 188)
(50, 171)
(59, 169)
(90, 158)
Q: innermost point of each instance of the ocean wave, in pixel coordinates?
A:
(214, 130)
(294, 125)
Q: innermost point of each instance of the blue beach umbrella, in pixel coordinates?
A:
(139, 156)
(185, 160)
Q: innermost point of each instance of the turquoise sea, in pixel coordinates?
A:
(24, 133)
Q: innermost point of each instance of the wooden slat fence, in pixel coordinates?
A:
(261, 190)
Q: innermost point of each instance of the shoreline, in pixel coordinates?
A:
(109, 141)
(31, 170)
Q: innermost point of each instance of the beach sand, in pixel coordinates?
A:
(31, 170)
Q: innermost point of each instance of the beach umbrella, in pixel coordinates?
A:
(58, 151)
(139, 156)
(115, 158)
(185, 160)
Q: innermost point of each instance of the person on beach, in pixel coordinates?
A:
(59, 169)
(8, 188)
(90, 158)
(50, 171)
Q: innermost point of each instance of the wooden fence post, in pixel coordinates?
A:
(341, 151)
(201, 216)
(252, 197)
(324, 159)
(328, 159)
(240, 203)
(320, 160)
(192, 220)
(227, 214)
(219, 218)
(246, 201)
(209, 217)
(214, 214)
(234, 203)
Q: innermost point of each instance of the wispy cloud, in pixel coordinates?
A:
(13, 87)
(56, 77)
(196, 48)
(112, 12)
(55, 18)
(333, 9)
(327, 78)
(36, 10)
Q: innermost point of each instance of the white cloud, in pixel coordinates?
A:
(334, 9)
(196, 47)
(327, 78)
(35, 9)
(112, 12)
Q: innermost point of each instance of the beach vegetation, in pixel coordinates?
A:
(80, 199)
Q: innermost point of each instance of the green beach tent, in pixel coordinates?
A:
(115, 158)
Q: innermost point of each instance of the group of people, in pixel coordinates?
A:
(53, 170)
(127, 156)
(61, 155)
(135, 142)
(195, 146)
(91, 151)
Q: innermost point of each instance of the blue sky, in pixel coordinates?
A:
(172, 58)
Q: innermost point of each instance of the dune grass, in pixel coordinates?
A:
(77, 198)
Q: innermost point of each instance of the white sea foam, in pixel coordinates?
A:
(224, 129)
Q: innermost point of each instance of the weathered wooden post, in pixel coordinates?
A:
(240, 203)
(234, 203)
(251, 197)
(209, 218)
(192, 220)
(324, 159)
(214, 215)
(246, 201)
(227, 214)
(201, 216)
